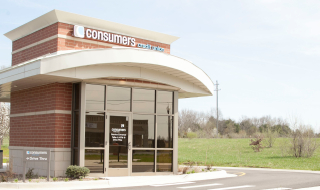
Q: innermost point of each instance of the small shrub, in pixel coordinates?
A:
(54, 179)
(30, 173)
(188, 172)
(184, 171)
(191, 135)
(16, 180)
(193, 171)
(256, 143)
(66, 179)
(30, 180)
(203, 170)
(209, 166)
(77, 171)
(95, 178)
(42, 177)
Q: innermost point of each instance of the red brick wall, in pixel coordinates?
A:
(35, 37)
(47, 130)
(34, 52)
(56, 96)
(60, 44)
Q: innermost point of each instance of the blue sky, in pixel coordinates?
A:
(265, 54)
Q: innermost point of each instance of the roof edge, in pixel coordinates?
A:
(72, 18)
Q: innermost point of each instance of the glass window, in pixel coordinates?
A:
(164, 131)
(143, 161)
(143, 101)
(118, 98)
(143, 131)
(164, 102)
(94, 132)
(164, 161)
(95, 96)
(118, 148)
(94, 160)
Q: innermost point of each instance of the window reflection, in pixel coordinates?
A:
(118, 148)
(95, 96)
(143, 161)
(164, 102)
(143, 101)
(118, 98)
(94, 131)
(164, 161)
(94, 160)
(164, 131)
(143, 130)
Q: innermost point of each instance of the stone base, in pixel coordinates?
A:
(60, 160)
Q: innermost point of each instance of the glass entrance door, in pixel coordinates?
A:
(119, 153)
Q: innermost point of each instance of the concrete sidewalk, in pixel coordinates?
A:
(111, 182)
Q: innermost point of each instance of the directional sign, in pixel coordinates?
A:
(37, 156)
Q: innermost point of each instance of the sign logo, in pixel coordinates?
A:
(150, 47)
(81, 32)
(28, 152)
(78, 31)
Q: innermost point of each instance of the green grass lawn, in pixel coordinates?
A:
(235, 153)
(238, 153)
(5, 149)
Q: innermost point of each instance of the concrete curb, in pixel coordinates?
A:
(119, 181)
(153, 180)
(55, 185)
(268, 169)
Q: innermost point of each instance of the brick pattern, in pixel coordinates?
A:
(56, 96)
(47, 130)
(35, 37)
(34, 52)
(66, 44)
(61, 44)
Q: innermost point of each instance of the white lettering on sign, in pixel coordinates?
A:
(150, 47)
(81, 32)
(37, 152)
(116, 130)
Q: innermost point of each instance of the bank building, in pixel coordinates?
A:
(97, 94)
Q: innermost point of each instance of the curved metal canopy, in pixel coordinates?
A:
(163, 71)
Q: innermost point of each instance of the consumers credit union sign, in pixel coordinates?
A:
(81, 32)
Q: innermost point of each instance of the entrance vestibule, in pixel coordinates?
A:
(126, 130)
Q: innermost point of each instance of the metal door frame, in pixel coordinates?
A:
(107, 132)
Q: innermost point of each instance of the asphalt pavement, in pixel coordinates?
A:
(251, 179)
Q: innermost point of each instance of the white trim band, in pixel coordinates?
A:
(40, 113)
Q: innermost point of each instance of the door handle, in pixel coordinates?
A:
(129, 146)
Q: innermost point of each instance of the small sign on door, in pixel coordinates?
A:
(122, 125)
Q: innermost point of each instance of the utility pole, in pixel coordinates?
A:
(217, 89)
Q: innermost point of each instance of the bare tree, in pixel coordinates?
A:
(4, 121)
